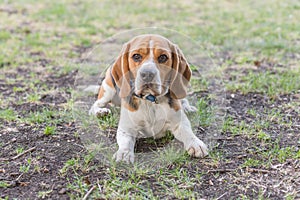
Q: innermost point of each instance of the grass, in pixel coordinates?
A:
(270, 83)
(8, 114)
(236, 34)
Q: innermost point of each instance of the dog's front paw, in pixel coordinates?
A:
(99, 112)
(197, 149)
(124, 155)
(189, 109)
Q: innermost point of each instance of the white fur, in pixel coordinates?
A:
(97, 108)
(152, 120)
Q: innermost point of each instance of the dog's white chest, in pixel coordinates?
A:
(150, 120)
(153, 120)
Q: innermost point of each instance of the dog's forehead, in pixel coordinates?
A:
(149, 42)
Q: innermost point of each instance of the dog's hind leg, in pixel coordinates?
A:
(187, 107)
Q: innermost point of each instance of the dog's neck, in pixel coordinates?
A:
(148, 97)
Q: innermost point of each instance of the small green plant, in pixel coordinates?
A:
(8, 115)
(44, 194)
(252, 112)
(25, 168)
(261, 135)
(251, 162)
(108, 121)
(42, 116)
(33, 97)
(73, 164)
(205, 112)
(19, 89)
(4, 184)
(49, 130)
(78, 185)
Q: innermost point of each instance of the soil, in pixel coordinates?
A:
(49, 153)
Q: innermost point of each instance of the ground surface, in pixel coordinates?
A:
(255, 47)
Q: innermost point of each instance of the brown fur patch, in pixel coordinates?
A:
(109, 81)
(101, 92)
(174, 103)
(131, 103)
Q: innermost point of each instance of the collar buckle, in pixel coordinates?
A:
(148, 97)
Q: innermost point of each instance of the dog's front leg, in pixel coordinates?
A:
(126, 144)
(105, 95)
(192, 144)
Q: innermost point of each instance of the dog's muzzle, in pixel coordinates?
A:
(148, 80)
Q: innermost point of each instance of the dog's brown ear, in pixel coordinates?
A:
(120, 71)
(181, 74)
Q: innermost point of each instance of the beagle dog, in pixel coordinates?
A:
(149, 81)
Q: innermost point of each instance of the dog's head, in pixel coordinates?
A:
(151, 64)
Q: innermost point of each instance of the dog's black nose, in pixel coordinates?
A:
(147, 75)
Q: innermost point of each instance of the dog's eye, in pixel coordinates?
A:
(137, 57)
(162, 58)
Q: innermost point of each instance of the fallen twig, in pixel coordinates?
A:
(99, 186)
(19, 155)
(258, 170)
(221, 170)
(247, 169)
(221, 196)
(88, 193)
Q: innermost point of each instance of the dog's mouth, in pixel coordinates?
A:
(153, 89)
(149, 88)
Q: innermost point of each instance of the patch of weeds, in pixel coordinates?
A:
(44, 194)
(84, 42)
(127, 188)
(39, 117)
(33, 97)
(228, 122)
(290, 196)
(72, 164)
(36, 40)
(288, 152)
(252, 112)
(4, 184)
(19, 150)
(4, 35)
(18, 89)
(108, 121)
(216, 155)
(49, 130)
(76, 164)
(8, 114)
(79, 186)
(229, 125)
(261, 124)
(205, 112)
(269, 83)
(251, 162)
(25, 168)
(87, 161)
(199, 84)
(194, 68)
(170, 155)
(263, 136)
(281, 154)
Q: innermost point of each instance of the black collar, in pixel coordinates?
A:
(148, 97)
